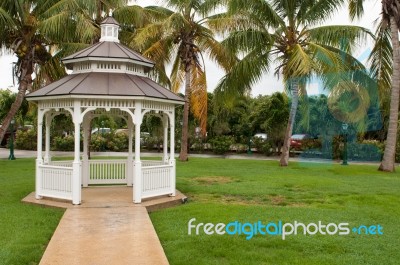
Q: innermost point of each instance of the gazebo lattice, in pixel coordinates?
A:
(107, 78)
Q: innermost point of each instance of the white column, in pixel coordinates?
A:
(165, 143)
(138, 164)
(76, 165)
(47, 157)
(172, 161)
(129, 173)
(85, 157)
(39, 159)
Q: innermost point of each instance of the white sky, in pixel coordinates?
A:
(269, 84)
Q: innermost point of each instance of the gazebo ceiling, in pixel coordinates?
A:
(106, 84)
(112, 51)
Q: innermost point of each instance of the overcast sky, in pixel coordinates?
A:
(269, 84)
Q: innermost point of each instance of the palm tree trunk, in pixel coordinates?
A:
(284, 161)
(183, 156)
(388, 160)
(24, 83)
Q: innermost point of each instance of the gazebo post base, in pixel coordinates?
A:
(137, 198)
(38, 181)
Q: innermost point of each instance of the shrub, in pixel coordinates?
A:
(221, 144)
(98, 143)
(64, 143)
(365, 152)
(240, 148)
(26, 140)
(262, 146)
(119, 142)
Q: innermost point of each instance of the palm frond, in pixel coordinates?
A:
(264, 11)
(198, 96)
(248, 40)
(217, 52)
(356, 8)
(177, 75)
(135, 16)
(6, 22)
(319, 11)
(243, 75)
(345, 37)
(298, 63)
(381, 59)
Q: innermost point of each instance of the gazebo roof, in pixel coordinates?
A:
(107, 69)
(106, 84)
(110, 20)
(107, 49)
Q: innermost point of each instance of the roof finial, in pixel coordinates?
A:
(110, 12)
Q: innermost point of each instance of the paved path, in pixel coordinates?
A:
(105, 236)
(4, 153)
(106, 229)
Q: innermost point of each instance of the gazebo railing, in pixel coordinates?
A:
(157, 180)
(107, 171)
(61, 163)
(56, 181)
(150, 163)
(57, 177)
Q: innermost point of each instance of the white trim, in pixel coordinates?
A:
(171, 101)
(104, 59)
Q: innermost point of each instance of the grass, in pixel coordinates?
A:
(25, 229)
(221, 191)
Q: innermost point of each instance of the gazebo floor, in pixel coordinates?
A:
(109, 196)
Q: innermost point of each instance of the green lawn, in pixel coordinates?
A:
(25, 230)
(221, 191)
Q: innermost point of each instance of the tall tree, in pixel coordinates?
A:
(287, 33)
(385, 64)
(391, 19)
(179, 35)
(37, 30)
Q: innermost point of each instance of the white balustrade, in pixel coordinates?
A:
(151, 163)
(61, 163)
(107, 171)
(156, 180)
(57, 177)
(56, 182)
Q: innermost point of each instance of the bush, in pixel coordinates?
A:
(64, 143)
(221, 144)
(262, 146)
(119, 142)
(364, 152)
(98, 143)
(240, 148)
(26, 140)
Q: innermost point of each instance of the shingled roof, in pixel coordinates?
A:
(107, 68)
(106, 84)
(110, 50)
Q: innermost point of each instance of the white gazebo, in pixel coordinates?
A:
(107, 77)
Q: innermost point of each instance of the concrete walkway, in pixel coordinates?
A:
(106, 229)
(104, 236)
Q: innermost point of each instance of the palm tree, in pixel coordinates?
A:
(385, 65)
(287, 33)
(179, 36)
(19, 34)
(35, 32)
(391, 19)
